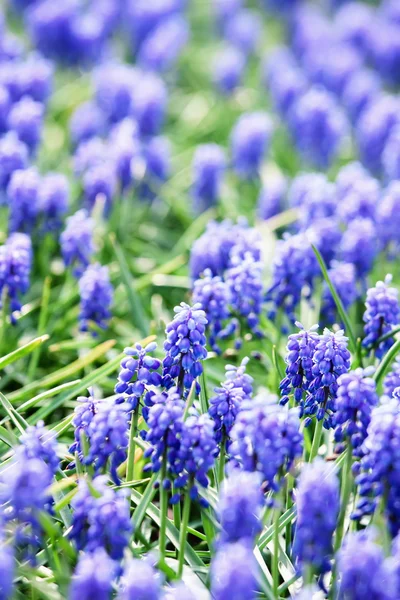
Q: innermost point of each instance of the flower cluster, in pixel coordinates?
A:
(77, 241)
(38, 442)
(381, 315)
(83, 415)
(234, 572)
(138, 371)
(96, 295)
(15, 268)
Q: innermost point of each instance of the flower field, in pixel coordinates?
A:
(199, 311)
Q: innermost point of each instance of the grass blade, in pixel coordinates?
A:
(23, 351)
(386, 362)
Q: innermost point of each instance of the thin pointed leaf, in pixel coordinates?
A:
(23, 351)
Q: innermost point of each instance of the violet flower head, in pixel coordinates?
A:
(240, 506)
(392, 379)
(209, 165)
(228, 399)
(272, 196)
(354, 21)
(385, 50)
(96, 296)
(140, 581)
(356, 397)
(157, 158)
(391, 155)
(250, 140)
(87, 121)
(362, 89)
(7, 569)
(234, 573)
(363, 570)
(93, 577)
(38, 442)
(266, 438)
(212, 293)
(331, 359)
(83, 416)
(185, 347)
(138, 371)
(161, 49)
(388, 217)
(286, 87)
(360, 245)
(360, 200)
(317, 506)
(114, 84)
(26, 119)
(23, 197)
(343, 277)
(314, 196)
(149, 105)
(381, 315)
(318, 127)
(76, 241)
(15, 269)
(100, 186)
(228, 70)
(300, 350)
(53, 200)
(243, 31)
(326, 235)
(108, 438)
(100, 518)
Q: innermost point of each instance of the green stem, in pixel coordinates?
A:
(183, 531)
(3, 319)
(163, 510)
(345, 495)
(289, 503)
(130, 469)
(177, 511)
(275, 556)
(316, 439)
(41, 328)
(221, 468)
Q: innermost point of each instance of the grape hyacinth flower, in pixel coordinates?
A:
(388, 218)
(272, 196)
(317, 506)
(5, 104)
(96, 295)
(114, 84)
(362, 89)
(314, 197)
(363, 570)
(246, 293)
(26, 119)
(100, 518)
(331, 359)
(185, 347)
(326, 235)
(392, 379)
(140, 581)
(300, 350)
(391, 156)
(209, 165)
(162, 47)
(108, 438)
(266, 438)
(243, 31)
(228, 70)
(240, 507)
(178, 591)
(53, 200)
(76, 241)
(100, 186)
(38, 442)
(286, 87)
(93, 577)
(7, 569)
(83, 416)
(228, 399)
(343, 277)
(318, 127)
(212, 294)
(360, 246)
(149, 104)
(234, 573)
(360, 200)
(138, 371)
(381, 315)
(87, 121)
(250, 139)
(23, 196)
(89, 154)
(356, 397)
(15, 269)
(157, 159)
(378, 471)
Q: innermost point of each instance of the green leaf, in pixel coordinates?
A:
(8, 437)
(13, 415)
(44, 310)
(145, 500)
(386, 362)
(138, 315)
(339, 304)
(47, 394)
(203, 392)
(23, 351)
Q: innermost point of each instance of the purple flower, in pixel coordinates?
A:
(374, 128)
(213, 295)
(93, 577)
(145, 18)
(96, 293)
(226, 403)
(107, 432)
(162, 47)
(318, 127)
(138, 371)
(272, 196)
(343, 277)
(53, 200)
(391, 155)
(149, 104)
(87, 121)
(266, 438)
(100, 186)
(234, 573)
(15, 269)
(317, 507)
(77, 241)
(286, 86)
(38, 442)
(355, 398)
(243, 30)
(7, 569)
(228, 69)
(101, 518)
(178, 591)
(363, 570)
(362, 89)
(83, 416)
(23, 196)
(360, 245)
(314, 196)
(126, 152)
(334, 67)
(26, 119)
(381, 315)
(331, 359)
(90, 153)
(114, 85)
(35, 78)
(224, 9)
(354, 22)
(209, 165)
(157, 159)
(250, 140)
(326, 234)
(140, 581)
(185, 347)
(385, 50)
(392, 379)
(5, 105)
(240, 506)
(360, 200)
(300, 350)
